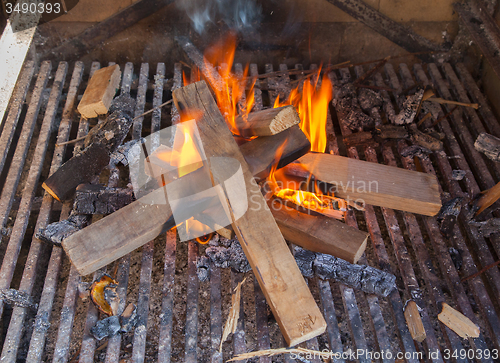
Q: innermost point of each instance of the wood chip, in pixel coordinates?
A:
(458, 322)
(234, 313)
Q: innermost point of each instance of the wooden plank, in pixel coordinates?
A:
(100, 92)
(320, 233)
(260, 154)
(458, 322)
(267, 122)
(279, 277)
(376, 184)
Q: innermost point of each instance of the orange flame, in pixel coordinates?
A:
(312, 106)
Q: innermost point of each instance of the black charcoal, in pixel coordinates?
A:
(106, 327)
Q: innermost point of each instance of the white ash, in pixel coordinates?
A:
(230, 254)
(18, 298)
(305, 260)
(106, 327)
(410, 108)
(129, 318)
(203, 268)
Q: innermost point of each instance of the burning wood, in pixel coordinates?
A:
(374, 184)
(267, 122)
(100, 92)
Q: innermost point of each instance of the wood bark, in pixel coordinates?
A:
(489, 145)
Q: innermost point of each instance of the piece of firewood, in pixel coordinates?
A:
(266, 249)
(458, 322)
(489, 145)
(267, 122)
(98, 199)
(375, 184)
(390, 131)
(99, 144)
(414, 322)
(100, 92)
(410, 108)
(260, 153)
(81, 168)
(56, 232)
(320, 233)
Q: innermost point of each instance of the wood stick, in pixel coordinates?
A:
(443, 101)
(266, 250)
(375, 184)
(458, 322)
(319, 233)
(489, 145)
(100, 92)
(260, 154)
(414, 322)
(267, 122)
(81, 168)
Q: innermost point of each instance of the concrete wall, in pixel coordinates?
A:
(302, 31)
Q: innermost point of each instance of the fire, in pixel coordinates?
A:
(312, 106)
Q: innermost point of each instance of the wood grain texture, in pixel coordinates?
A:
(267, 122)
(458, 322)
(100, 92)
(414, 322)
(375, 184)
(279, 277)
(320, 234)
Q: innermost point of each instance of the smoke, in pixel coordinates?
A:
(239, 15)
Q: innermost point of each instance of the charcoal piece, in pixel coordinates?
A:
(348, 110)
(225, 241)
(56, 232)
(98, 199)
(369, 99)
(415, 150)
(219, 256)
(304, 259)
(113, 131)
(365, 278)
(409, 109)
(121, 154)
(456, 257)
(457, 174)
(487, 228)
(448, 214)
(18, 298)
(106, 327)
(424, 140)
(203, 268)
(238, 259)
(129, 318)
(389, 131)
(5, 231)
(489, 145)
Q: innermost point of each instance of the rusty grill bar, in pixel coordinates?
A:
(181, 319)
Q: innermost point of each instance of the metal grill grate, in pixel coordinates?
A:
(180, 318)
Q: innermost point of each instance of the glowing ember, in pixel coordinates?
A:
(324, 204)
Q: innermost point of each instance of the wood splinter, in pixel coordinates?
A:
(414, 322)
(458, 322)
(267, 122)
(100, 92)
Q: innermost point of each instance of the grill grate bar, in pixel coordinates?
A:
(21, 223)
(29, 274)
(18, 99)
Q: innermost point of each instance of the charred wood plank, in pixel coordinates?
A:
(98, 199)
(96, 35)
(395, 32)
